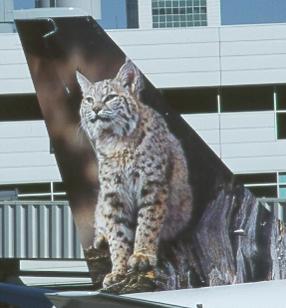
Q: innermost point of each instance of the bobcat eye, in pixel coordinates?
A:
(89, 99)
(109, 97)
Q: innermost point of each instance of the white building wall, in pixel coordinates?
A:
(253, 54)
(214, 56)
(193, 57)
(145, 14)
(246, 141)
(213, 13)
(25, 153)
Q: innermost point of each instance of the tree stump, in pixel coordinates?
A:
(236, 240)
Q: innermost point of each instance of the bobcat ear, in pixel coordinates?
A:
(131, 77)
(83, 82)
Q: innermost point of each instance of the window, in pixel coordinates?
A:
(19, 107)
(260, 184)
(271, 185)
(247, 98)
(282, 185)
(179, 13)
(200, 100)
(280, 110)
(35, 191)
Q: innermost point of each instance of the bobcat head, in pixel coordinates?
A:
(110, 107)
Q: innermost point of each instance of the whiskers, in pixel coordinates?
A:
(81, 132)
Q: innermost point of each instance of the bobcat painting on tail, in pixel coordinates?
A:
(144, 194)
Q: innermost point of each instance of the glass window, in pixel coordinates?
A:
(201, 100)
(282, 191)
(203, 9)
(19, 108)
(247, 98)
(260, 184)
(281, 97)
(264, 192)
(254, 178)
(281, 125)
(282, 178)
(184, 8)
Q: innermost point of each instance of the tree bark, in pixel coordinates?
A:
(236, 240)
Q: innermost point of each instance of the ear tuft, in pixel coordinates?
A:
(83, 82)
(130, 76)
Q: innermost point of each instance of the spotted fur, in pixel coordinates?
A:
(144, 193)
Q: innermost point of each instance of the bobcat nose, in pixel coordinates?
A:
(96, 109)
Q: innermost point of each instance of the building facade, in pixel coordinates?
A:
(174, 14)
(228, 82)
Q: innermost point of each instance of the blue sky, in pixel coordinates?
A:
(232, 11)
(252, 11)
(113, 12)
(24, 4)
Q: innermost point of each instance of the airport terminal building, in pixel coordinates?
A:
(227, 81)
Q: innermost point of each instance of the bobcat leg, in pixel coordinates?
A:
(120, 238)
(150, 220)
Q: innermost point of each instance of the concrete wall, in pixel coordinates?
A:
(246, 142)
(213, 11)
(25, 153)
(236, 55)
(189, 57)
(145, 14)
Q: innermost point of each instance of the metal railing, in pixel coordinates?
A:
(45, 229)
(38, 230)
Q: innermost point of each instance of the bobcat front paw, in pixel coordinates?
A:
(99, 242)
(141, 261)
(112, 278)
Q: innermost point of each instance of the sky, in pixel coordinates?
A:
(113, 12)
(232, 11)
(252, 11)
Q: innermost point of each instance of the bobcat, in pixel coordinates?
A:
(144, 194)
